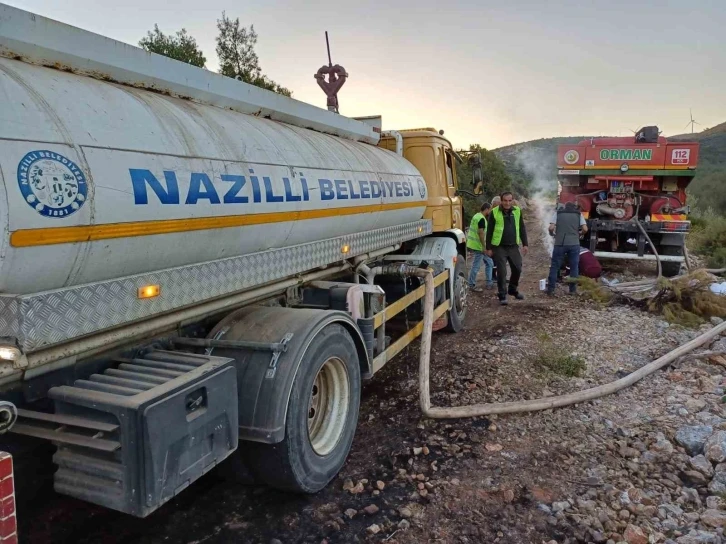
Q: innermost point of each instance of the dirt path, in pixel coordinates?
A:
(481, 480)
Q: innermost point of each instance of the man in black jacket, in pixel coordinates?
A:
(505, 233)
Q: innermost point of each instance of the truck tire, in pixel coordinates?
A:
(457, 313)
(671, 269)
(322, 415)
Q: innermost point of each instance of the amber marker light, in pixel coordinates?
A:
(149, 291)
(345, 249)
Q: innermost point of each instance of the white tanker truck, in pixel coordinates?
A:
(192, 268)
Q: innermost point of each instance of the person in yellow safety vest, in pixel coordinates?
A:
(505, 233)
(476, 243)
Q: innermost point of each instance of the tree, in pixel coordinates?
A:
(495, 176)
(181, 46)
(237, 57)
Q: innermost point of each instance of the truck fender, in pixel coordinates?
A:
(443, 247)
(264, 380)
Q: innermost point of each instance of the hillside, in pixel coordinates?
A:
(535, 161)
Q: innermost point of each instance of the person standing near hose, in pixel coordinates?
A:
(505, 233)
(476, 242)
(566, 225)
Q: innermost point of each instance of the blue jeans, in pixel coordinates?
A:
(476, 265)
(558, 256)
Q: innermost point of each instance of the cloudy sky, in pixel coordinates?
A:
(493, 72)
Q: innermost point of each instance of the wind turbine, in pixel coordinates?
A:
(692, 121)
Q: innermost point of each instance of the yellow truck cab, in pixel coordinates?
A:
(434, 157)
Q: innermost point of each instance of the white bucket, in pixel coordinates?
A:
(542, 285)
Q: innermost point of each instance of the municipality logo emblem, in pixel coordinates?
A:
(421, 188)
(51, 184)
(572, 156)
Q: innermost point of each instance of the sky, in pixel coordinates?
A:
(488, 72)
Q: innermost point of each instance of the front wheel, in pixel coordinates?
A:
(322, 415)
(457, 313)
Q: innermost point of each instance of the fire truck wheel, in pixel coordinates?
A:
(322, 415)
(457, 313)
(671, 269)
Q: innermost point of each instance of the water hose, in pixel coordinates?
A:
(8, 416)
(547, 403)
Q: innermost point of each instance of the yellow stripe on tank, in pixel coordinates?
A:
(90, 233)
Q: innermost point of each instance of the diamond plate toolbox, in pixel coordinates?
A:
(42, 319)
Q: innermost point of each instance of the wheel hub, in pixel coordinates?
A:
(329, 401)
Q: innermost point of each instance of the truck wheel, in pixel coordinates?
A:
(671, 269)
(322, 415)
(457, 313)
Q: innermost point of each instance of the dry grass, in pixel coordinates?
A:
(557, 359)
(687, 300)
(594, 290)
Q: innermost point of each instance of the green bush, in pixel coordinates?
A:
(708, 237)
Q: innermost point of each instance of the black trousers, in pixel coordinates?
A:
(502, 256)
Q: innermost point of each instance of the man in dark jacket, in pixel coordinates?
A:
(505, 233)
(566, 225)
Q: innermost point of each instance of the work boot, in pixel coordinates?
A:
(476, 289)
(503, 300)
(517, 295)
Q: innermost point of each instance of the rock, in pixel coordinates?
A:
(373, 529)
(662, 446)
(671, 510)
(715, 321)
(348, 484)
(357, 489)
(715, 447)
(624, 515)
(718, 484)
(350, 513)
(693, 438)
(380, 485)
(493, 447)
(417, 451)
(404, 525)
(275, 541)
(699, 537)
(541, 495)
(405, 512)
(508, 495)
(715, 503)
(695, 478)
(714, 518)
(560, 506)
(635, 535)
(695, 405)
(425, 450)
(701, 464)
(371, 509)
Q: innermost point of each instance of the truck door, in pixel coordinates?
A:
(452, 186)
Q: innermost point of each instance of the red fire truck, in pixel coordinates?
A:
(630, 190)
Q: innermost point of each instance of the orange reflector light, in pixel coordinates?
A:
(345, 248)
(420, 229)
(149, 291)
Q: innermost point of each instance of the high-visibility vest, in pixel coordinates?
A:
(472, 238)
(499, 224)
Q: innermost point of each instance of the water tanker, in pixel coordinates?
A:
(194, 270)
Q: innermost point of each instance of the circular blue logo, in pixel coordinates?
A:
(421, 188)
(51, 184)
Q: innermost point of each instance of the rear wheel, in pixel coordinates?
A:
(457, 313)
(671, 269)
(321, 418)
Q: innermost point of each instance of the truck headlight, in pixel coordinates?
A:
(9, 353)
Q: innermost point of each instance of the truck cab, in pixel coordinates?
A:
(433, 156)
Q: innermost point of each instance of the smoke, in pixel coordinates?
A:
(541, 166)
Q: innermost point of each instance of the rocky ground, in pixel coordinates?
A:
(646, 465)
